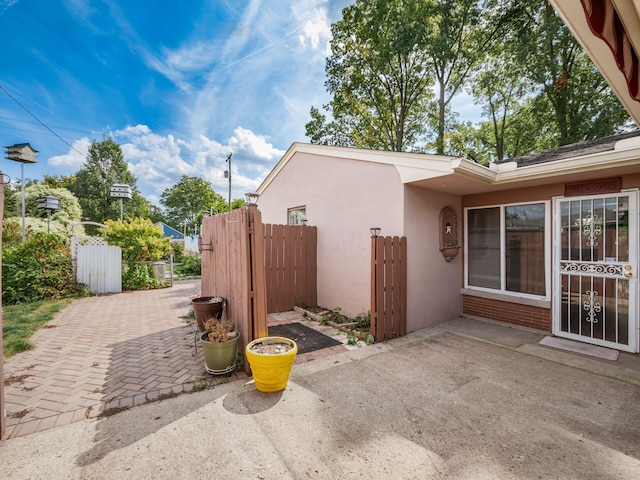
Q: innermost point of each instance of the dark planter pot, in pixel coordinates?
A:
(206, 308)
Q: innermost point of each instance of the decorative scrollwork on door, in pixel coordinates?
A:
(591, 306)
(592, 229)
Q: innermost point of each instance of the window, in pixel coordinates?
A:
(296, 216)
(507, 248)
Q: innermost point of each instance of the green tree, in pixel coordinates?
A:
(568, 85)
(104, 166)
(59, 181)
(379, 75)
(458, 38)
(155, 214)
(185, 201)
(61, 219)
(238, 203)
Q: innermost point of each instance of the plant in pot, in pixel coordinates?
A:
(205, 308)
(271, 360)
(220, 344)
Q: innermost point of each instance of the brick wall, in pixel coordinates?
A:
(524, 315)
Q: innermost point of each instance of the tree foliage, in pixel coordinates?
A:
(536, 87)
(379, 76)
(104, 167)
(36, 218)
(185, 201)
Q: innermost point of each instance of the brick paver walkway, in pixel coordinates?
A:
(105, 352)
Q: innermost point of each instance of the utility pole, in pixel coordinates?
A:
(227, 174)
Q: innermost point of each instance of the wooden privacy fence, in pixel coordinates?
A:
(290, 266)
(388, 287)
(258, 268)
(233, 267)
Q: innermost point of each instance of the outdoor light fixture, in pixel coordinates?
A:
(22, 153)
(206, 214)
(375, 232)
(252, 198)
(304, 222)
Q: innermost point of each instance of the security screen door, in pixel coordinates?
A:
(596, 270)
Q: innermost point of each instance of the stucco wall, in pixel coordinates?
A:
(343, 198)
(433, 284)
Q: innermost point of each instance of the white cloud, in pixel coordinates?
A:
(158, 161)
(316, 30)
(254, 145)
(74, 159)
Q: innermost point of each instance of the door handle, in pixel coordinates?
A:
(627, 271)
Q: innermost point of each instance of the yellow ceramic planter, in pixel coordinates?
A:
(271, 370)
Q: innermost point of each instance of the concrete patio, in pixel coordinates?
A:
(465, 399)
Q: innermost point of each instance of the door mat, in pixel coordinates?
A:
(308, 339)
(579, 347)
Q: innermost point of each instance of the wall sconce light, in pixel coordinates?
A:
(375, 232)
(206, 214)
(304, 222)
(252, 198)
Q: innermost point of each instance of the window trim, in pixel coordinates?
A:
(293, 209)
(503, 263)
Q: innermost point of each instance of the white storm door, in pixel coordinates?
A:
(596, 270)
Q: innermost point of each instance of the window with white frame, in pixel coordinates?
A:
(507, 248)
(297, 215)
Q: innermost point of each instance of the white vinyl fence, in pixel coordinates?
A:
(98, 265)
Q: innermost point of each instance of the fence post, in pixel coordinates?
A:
(374, 282)
(257, 279)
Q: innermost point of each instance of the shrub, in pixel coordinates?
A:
(38, 269)
(191, 265)
(177, 247)
(139, 276)
(141, 241)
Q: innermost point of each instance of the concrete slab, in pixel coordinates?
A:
(443, 406)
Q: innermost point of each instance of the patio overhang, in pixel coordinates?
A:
(464, 177)
(609, 31)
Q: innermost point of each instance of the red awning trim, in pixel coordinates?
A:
(605, 23)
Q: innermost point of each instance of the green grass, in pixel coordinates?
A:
(20, 321)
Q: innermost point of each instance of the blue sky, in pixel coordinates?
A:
(178, 84)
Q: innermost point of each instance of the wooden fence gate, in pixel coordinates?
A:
(388, 287)
(258, 268)
(232, 267)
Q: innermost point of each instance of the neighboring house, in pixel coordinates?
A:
(548, 241)
(170, 232)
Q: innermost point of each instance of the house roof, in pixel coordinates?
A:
(611, 156)
(588, 147)
(609, 31)
(170, 232)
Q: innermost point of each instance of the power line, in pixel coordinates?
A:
(39, 121)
